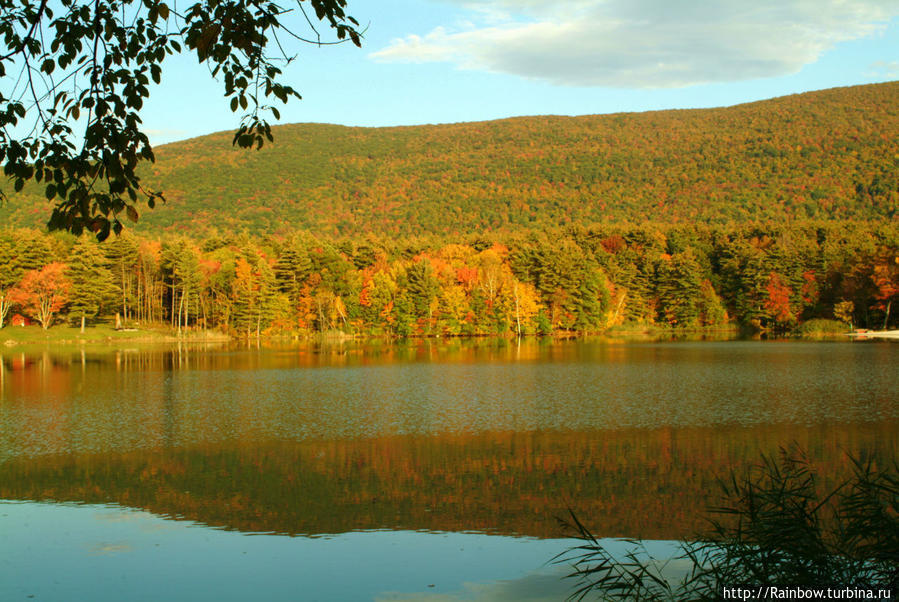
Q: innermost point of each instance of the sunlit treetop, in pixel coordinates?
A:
(74, 75)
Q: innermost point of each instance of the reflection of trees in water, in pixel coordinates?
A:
(185, 397)
(276, 353)
(635, 483)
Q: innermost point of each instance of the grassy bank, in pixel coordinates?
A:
(101, 334)
(819, 328)
(62, 334)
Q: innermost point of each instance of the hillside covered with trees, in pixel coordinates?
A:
(827, 155)
(767, 215)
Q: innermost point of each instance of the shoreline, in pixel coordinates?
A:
(874, 334)
(103, 336)
(18, 336)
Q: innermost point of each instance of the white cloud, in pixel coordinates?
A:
(163, 135)
(885, 70)
(644, 43)
(101, 549)
(540, 586)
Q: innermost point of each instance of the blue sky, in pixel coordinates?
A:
(440, 61)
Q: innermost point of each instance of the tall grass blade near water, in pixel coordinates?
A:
(776, 526)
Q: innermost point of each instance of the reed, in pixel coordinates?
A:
(774, 527)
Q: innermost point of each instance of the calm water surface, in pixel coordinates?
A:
(427, 471)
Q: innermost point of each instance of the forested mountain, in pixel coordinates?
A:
(827, 155)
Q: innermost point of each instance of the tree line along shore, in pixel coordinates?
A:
(810, 277)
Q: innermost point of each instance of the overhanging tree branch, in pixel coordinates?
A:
(118, 47)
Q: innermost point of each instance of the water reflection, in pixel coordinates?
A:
(646, 483)
(72, 402)
(109, 553)
(487, 436)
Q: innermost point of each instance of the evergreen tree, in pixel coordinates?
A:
(334, 268)
(292, 269)
(245, 296)
(679, 284)
(269, 304)
(220, 287)
(10, 272)
(403, 317)
(93, 283)
(590, 303)
(745, 276)
(33, 250)
(630, 273)
(711, 310)
(422, 287)
(123, 256)
(254, 294)
(366, 254)
(188, 275)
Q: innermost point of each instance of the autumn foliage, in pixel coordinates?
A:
(778, 302)
(574, 280)
(42, 293)
(826, 155)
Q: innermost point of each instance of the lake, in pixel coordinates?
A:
(429, 470)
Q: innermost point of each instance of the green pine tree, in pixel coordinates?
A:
(292, 269)
(10, 273)
(591, 301)
(93, 283)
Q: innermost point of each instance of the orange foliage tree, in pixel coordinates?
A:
(777, 302)
(42, 293)
(886, 282)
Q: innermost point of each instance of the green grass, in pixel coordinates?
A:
(62, 334)
(821, 328)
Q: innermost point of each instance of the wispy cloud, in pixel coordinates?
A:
(643, 43)
(884, 70)
(540, 586)
(102, 549)
(161, 136)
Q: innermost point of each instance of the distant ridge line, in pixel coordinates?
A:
(828, 155)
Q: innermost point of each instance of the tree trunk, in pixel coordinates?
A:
(124, 294)
(180, 307)
(517, 313)
(82, 323)
(138, 305)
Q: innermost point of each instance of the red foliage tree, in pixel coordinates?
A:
(886, 282)
(613, 244)
(42, 293)
(777, 303)
(467, 277)
(810, 289)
